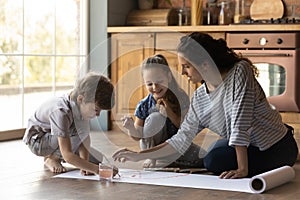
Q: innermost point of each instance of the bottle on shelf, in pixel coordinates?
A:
(222, 13)
(184, 15)
(212, 13)
(225, 14)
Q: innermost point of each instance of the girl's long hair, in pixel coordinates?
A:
(174, 91)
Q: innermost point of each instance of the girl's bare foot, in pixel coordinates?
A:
(54, 164)
(149, 163)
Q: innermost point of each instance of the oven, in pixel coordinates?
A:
(277, 57)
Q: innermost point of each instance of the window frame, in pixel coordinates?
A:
(18, 132)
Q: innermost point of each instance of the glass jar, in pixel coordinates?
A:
(225, 14)
(212, 14)
(184, 16)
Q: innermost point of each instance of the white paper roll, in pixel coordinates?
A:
(257, 184)
(271, 179)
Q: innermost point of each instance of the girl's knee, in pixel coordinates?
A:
(154, 124)
(146, 143)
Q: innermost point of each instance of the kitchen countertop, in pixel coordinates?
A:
(209, 28)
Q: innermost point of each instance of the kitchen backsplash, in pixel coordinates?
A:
(292, 7)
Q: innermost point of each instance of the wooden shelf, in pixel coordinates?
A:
(218, 28)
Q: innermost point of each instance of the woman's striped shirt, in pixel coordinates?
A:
(237, 110)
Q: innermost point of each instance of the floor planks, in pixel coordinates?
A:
(23, 177)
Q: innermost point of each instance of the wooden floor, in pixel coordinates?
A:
(23, 177)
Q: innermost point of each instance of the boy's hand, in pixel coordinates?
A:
(85, 173)
(115, 171)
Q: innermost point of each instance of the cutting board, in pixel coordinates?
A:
(266, 9)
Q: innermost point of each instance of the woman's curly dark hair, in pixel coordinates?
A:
(221, 54)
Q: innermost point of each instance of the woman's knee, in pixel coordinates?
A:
(220, 159)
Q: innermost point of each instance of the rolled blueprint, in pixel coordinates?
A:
(257, 184)
(271, 179)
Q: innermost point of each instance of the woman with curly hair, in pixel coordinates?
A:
(231, 103)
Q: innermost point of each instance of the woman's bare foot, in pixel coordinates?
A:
(54, 165)
(149, 163)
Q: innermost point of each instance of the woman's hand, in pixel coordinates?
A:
(232, 174)
(242, 160)
(124, 155)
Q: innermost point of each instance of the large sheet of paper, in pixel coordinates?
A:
(257, 184)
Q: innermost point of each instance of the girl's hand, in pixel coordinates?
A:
(127, 122)
(164, 107)
(124, 155)
(232, 174)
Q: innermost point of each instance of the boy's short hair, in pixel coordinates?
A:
(95, 88)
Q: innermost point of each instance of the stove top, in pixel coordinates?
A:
(271, 21)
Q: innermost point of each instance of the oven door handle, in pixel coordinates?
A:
(267, 55)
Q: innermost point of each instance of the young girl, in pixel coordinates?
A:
(159, 115)
(231, 103)
(59, 128)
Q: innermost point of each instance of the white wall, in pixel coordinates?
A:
(102, 13)
(98, 58)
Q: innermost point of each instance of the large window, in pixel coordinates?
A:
(43, 46)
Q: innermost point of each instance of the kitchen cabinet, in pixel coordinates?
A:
(127, 53)
(128, 50)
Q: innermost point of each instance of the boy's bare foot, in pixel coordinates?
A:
(149, 163)
(54, 164)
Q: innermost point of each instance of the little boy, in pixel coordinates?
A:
(59, 129)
